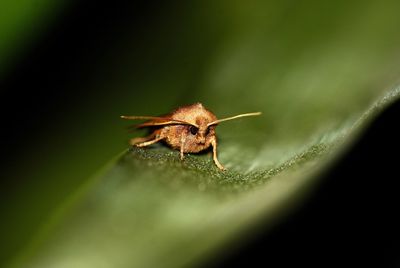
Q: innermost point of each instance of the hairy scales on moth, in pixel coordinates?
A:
(189, 129)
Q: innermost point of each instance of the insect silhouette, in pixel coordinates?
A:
(189, 129)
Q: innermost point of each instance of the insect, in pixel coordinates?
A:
(189, 129)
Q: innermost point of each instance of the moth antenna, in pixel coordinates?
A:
(141, 117)
(233, 117)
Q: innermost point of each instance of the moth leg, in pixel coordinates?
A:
(138, 140)
(217, 163)
(150, 142)
(183, 139)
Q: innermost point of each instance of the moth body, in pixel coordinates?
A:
(189, 129)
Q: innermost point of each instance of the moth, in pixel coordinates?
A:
(189, 129)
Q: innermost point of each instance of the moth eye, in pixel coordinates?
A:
(193, 130)
(208, 131)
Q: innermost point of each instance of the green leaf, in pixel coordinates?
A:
(319, 72)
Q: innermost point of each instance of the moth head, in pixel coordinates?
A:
(197, 129)
(201, 133)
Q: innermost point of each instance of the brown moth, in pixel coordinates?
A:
(190, 129)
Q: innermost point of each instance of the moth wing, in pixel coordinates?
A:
(155, 121)
(161, 123)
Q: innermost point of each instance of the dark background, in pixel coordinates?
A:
(354, 223)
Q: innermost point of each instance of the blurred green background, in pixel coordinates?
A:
(70, 69)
